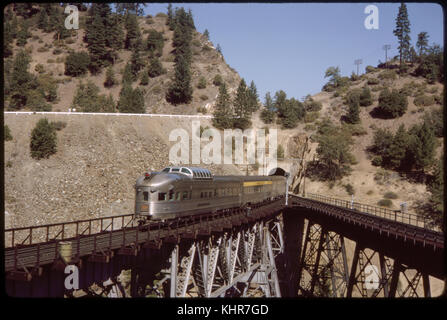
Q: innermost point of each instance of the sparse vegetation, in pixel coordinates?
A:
(7, 133)
(385, 203)
(390, 195)
(43, 140)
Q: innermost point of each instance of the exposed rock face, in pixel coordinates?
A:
(93, 172)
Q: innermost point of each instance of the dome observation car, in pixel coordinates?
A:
(193, 172)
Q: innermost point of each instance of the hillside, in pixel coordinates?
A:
(99, 157)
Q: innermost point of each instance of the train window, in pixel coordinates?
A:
(187, 171)
(185, 195)
(171, 195)
(215, 192)
(162, 196)
(177, 196)
(201, 194)
(210, 194)
(146, 196)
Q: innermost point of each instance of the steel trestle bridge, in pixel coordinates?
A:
(314, 246)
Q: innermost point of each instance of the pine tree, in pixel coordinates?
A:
(241, 101)
(180, 90)
(365, 97)
(131, 101)
(7, 40)
(422, 43)
(397, 152)
(43, 140)
(155, 68)
(96, 44)
(43, 20)
(133, 35)
(170, 21)
(23, 34)
(136, 62)
(86, 98)
(115, 37)
(268, 113)
(127, 75)
(422, 146)
(402, 32)
(110, 78)
(144, 79)
(253, 97)
(206, 34)
(223, 113)
(21, 80)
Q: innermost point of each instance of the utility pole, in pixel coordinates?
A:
(386, 47)
(358, 62)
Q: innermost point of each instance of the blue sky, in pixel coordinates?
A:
(289, 46)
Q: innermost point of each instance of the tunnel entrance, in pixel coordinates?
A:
(278, 172)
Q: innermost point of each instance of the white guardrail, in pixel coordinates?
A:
(151, 115)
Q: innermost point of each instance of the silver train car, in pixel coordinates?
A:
(185, 191)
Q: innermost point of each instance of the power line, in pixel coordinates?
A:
(358, 62)
(386, 47)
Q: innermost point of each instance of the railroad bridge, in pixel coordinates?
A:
(313, 246)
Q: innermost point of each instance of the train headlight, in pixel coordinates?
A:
(144, 207)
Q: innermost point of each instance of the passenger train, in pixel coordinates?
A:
(185, 191)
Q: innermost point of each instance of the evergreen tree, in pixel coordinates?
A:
(223, 113)
(268, 113)
(155, 68)
(353, 109)
(131, 101)
(115, 37)
(77, 63)
(242, 107)
(155, 42)
(86, 97)
(219, 49)
(170, 21)
(144, 79)
(23, 34)
(206, 34)
(42, 23)
(402, 32)
(365, 97)
(7, 40)
(133, 35)
(21, 80)
(136, 62)
(422, 42)
(392, 104)
(128, 77)
(180, 90)
(110, 78)
(396, 154)
(422, 146)
(96, 44)
(43, 140)
(253, 97)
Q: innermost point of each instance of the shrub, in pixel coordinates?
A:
(365, 97)
(204, 97)
(155, 68)
(388, 75)
(161, 15)
(385, 203)
(349, 189)
(202, 83)
(370, 192)
(392, 104)
(390, 195)
(144, 79)
(309, 127)
(217, 81)
(7, 133)
(376, 161)
(424, 101)
(370, 69)
(43, 140)
(39, 68)
(373, 81)
(57, 51)
(77, 63)
(201, 110)
(382, 176)
(58, 125)
(312, 105)
(311, 116)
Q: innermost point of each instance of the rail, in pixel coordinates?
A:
(394, 215)
(65, 230)
(150, 115)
